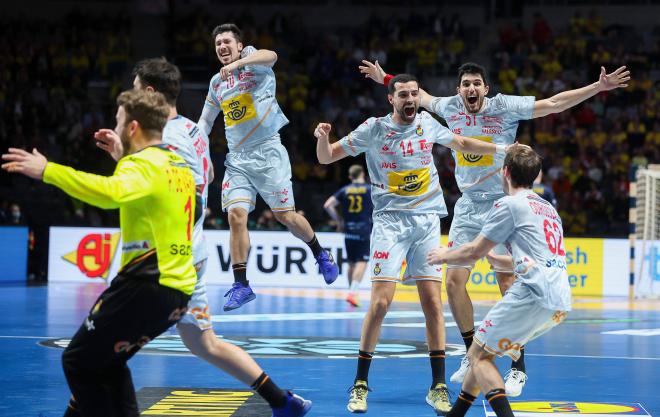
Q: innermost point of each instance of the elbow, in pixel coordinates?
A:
(273, 55)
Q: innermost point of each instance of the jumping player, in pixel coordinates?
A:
(408, 205)
(244, 91)
(540, 296)
(493, 120)
(355, 222)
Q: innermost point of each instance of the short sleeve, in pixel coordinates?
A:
(518, 107)
(357, 141)
(248, 50)
(499, 224)
(339, 195)
(439, 105)
(440, 135)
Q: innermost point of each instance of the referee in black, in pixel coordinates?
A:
(155, 193)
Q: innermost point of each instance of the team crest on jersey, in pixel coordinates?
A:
(419, 130)
(377, 269)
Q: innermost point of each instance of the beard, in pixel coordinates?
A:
(125, 141)
(407, 116)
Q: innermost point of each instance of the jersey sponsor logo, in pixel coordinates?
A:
(388, 165)
(491, 130)
(426, 160)
(472, 160)
(381, 254)
(248, 85)
(457, 131)
(565, 407)
(492, 120)
(412, 182)
(244, 75)
(425, 146)
(385, 150)
(94, 254)
(135, 246)
(225, 185)
(239, 109)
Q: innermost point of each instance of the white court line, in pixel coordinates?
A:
(340, 315)
(592, 357)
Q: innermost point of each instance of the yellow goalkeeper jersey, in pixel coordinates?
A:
(155, 192)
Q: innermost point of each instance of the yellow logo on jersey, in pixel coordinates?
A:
(409, 183)
(574, 407)
(238, 109)
(471, 160)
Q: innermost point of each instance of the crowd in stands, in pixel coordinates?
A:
(58, 80)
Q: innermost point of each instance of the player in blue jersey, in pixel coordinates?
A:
(355, 222)
(408, 204)
(257, 163)
(544, 190)
(494, 120)
(184, 137)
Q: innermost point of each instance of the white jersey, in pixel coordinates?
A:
(400, 162)
(531, 229)
(248, 102)
(478, 176)
(189, 142)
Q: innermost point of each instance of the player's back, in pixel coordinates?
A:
(537, 246)
(157, 229)
(357, 208)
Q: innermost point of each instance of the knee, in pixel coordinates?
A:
(285, 217)
(432, 305)
(454, 284)
(379, 307)
(237, 218)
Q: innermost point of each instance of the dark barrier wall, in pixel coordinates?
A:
(13, 253)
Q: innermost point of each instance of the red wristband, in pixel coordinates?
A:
(387, 79)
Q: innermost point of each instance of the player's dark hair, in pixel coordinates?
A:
(400, 78)
(228, 27)
(148, 108)
(474, 69)
(354, 171)
(161, 75)
(523, 164)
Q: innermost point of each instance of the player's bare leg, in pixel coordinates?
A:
(430, 295)
(300, 228)
(382, 294)
(355, 274)
(239, 248)
(463, 313)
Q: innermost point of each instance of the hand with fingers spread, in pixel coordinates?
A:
(110, 142)
(373, 71)
(322, 131)
(616, 79)
(436, 256)
(22, 162)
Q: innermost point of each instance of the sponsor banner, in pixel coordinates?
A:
(584, 264)
(13, 253)
(568, 408)
(647, 267)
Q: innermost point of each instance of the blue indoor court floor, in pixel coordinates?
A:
(608, 351)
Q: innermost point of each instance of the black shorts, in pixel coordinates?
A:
(357, 250)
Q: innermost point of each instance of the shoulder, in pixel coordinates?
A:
(249, 49)
(214, 84)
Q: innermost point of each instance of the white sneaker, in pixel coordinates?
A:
(458, 376)
(514, 381)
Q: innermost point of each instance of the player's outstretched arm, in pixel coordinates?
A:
(375, 72)
(264, 57)
(567, 99)
(465, 144)
(20, 161)
(469, 253)
(326, 152)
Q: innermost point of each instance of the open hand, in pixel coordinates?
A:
(373, 71)
(616, 79)
(22, 162)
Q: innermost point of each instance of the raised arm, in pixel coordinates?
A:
(264, 57)
(326, 152)
(378, 74)
(466, 254)
(567, 99)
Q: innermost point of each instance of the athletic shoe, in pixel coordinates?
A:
(327, 266)
(295, 406)
(357, 401)
(438, 398)
(352, 300)
(514, 381)
(239, 294)
(458, 376)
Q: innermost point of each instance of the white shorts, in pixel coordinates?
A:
(198, 307)
(264, 169)
(469, 218)
(398, 236)
(515, 320)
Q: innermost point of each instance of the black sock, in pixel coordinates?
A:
(461, 405)
(364, 361)
(467, 338)
(499, 403)
(240, 273)
(315, 246)
(437, 367)
(520, 363)
(270, 392)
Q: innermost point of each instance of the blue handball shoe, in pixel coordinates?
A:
(295, 406)
(327, 266)
(239, 294)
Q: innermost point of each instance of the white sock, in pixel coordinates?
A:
(355, 285)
